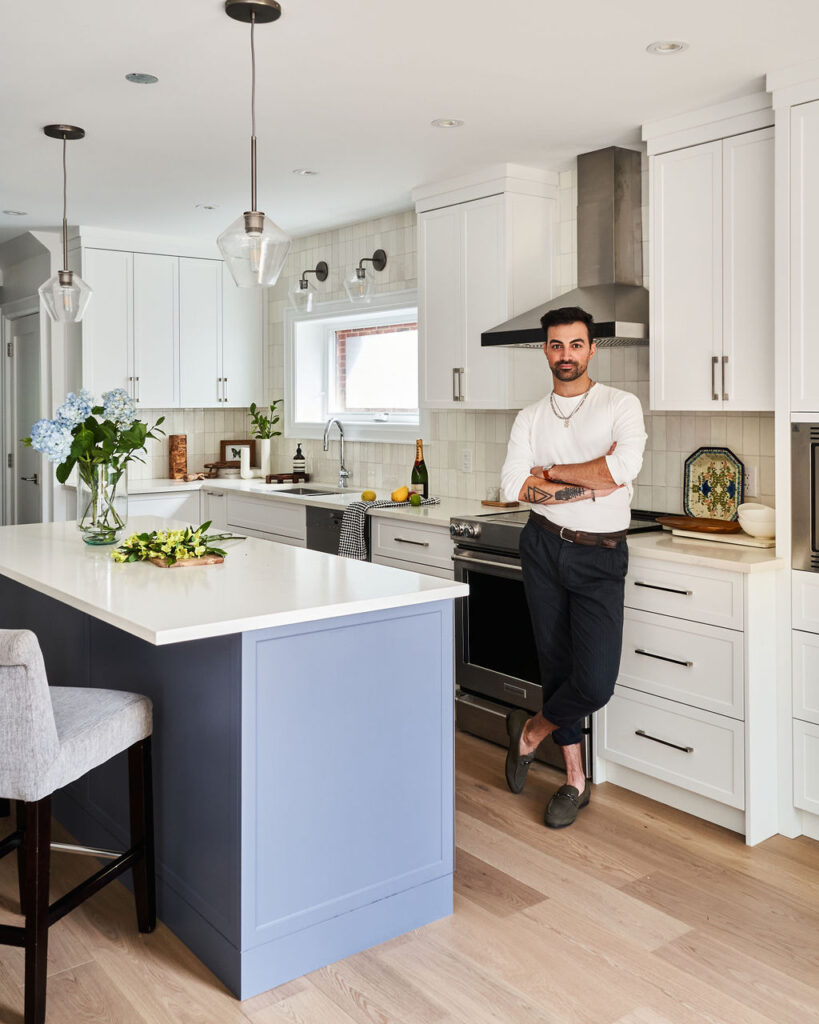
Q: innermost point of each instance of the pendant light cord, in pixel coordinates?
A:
(252, 112)
(65, 208)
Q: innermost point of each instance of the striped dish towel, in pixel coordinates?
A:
(352, 542)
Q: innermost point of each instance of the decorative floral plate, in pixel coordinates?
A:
(713, 484)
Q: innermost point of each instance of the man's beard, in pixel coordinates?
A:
(568, 372)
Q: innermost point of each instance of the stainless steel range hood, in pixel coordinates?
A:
(609, 257)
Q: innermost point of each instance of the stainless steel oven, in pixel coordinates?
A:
(805, 496)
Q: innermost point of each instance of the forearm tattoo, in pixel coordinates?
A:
(540, 495)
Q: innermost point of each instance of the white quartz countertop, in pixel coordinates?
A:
(731, 557)
(260, 584)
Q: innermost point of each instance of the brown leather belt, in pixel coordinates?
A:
(592, 540)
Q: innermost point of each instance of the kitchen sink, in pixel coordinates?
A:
(300, 490)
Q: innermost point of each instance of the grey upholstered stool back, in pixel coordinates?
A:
(28, 735)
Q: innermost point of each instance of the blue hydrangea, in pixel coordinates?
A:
(52, 439)
(119, 407)
(75, 408)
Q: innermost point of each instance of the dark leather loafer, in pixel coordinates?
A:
(565, 805)
(517, 764)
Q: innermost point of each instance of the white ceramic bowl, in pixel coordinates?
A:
(757, 520)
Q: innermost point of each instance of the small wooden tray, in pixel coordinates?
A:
(500, 504)
(695, 524)
(185, 562)
(287, 478)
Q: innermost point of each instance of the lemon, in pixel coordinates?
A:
(415, 499)
(401, 494)
(368, 495)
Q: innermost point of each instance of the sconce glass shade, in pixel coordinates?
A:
(358, 285)
(254, 257)
(66, 296)
(301, 296)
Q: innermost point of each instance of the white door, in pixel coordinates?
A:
(804, 262)
(441, 312)
(747, 367)
(200, 343)
(686, 278)
(486, 291)
(107, 327)
(156, 341)
(242, 343)
(28, 465)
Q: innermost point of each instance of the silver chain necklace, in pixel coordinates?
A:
(577, 408)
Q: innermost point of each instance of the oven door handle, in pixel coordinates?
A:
(472, 560)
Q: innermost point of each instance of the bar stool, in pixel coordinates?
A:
(50, 736)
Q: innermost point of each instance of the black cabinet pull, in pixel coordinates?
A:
(662, 657)
(667, 590)
(665, 743)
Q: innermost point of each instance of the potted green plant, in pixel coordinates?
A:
(100, 440)
(261, 428)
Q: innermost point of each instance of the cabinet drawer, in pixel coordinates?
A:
(184, 506)
(427, 570)
(805, 591)
(694, 749)
(684, 661)
(267, 516)
(806, 766)
(428, 545)
(687, 592)
(805, 648)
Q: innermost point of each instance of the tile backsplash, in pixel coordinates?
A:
(671, 436)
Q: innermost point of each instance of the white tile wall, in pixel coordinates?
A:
(671, 436)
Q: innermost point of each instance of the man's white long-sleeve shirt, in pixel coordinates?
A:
(539, 438)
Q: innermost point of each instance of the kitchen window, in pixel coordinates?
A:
(357, 364)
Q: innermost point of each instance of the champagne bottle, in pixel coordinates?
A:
(419, 481)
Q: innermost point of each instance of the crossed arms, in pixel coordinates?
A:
(576, 482)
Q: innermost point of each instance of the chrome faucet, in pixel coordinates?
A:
(343, 475)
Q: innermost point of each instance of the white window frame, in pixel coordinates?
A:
(388, 305)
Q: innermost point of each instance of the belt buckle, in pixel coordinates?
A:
(568, 539)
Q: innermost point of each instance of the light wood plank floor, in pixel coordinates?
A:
(638, 914)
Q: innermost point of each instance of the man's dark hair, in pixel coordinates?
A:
(567, 315)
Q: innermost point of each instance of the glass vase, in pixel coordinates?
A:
(102, 502)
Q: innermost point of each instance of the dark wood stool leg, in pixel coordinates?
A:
(21, 856)
(140, 780)
(37, 848)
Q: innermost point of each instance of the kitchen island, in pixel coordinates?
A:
(303, 737)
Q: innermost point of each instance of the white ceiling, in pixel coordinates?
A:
(348, 89)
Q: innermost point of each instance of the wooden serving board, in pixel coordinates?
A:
(501, 504)
(742, 539)
(185, 562)
(695, 524)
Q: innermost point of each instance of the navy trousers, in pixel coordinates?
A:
(575, 596)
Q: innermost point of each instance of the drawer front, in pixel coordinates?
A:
(427, 570)
(806, 766)
(279, 517)
(429, 545)
(687, 592)
(805, 648)
(684, 661)
(805, 590)
(277, 538)
(183, 506)
(693, 749)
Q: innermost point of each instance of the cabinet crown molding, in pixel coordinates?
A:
(488, 181)
(745, 114)
(132, 241)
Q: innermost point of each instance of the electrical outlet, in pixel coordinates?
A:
(751, 480)
(466, 460)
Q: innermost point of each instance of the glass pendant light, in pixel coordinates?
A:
(358, 284)
(65, 295)
(302, 292)
(254, 248)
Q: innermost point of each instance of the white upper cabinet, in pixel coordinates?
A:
(712, 275)
(156, 327)
(804, 256)
(242, 342)
(482, 259)
(108, 326)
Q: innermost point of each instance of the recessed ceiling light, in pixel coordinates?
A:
(304, 171)
(15, 213)
(447, 122)
(665, 47)
(140, 78)
(206, 206)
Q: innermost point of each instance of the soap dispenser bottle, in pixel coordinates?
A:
(299, 461)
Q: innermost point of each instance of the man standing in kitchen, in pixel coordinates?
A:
(573, 456)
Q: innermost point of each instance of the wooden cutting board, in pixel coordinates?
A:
(185, 562)
(695, 524)
(500, 504)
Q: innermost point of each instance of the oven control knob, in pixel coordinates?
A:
(472, 530)
(455, 529)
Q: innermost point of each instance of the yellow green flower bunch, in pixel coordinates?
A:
(172, 545)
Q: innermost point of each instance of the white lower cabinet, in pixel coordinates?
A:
(183, 506)
(414, 546)
(806, 766)
(282, 521)
(689, 723)
(214, 509)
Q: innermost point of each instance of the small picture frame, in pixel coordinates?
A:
(229, 451)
